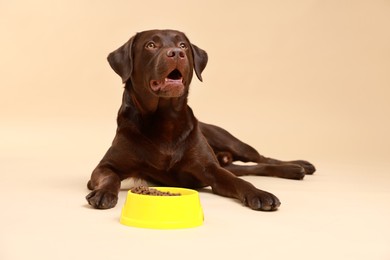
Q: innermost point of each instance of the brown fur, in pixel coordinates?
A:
(159, 139)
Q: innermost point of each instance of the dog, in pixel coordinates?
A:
(158, 138)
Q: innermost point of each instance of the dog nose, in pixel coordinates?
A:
(176, 53)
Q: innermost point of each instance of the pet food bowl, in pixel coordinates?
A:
(163, 212)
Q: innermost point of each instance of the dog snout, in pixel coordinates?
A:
(176, 53)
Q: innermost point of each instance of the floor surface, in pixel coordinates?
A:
(341, 212)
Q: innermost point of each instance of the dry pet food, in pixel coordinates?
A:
(153, 192)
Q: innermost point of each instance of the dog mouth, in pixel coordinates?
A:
(174, 75)
(172, 84)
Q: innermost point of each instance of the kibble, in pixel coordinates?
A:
(143, 190)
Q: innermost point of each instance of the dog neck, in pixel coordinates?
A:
(170, 119)
(150, 107)
(148, 104)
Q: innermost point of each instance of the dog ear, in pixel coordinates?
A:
(200, 60)
(121, 60)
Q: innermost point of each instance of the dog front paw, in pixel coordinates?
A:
(261, 200)
(102, 199)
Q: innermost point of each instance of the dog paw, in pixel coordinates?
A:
(290, 171)
(261, 200)
(309, 168)
(102, 199)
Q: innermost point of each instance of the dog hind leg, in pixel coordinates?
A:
(228, 149)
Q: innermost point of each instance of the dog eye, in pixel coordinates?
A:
(150, 45)
(183, 45)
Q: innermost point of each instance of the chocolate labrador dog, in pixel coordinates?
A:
(158, 138)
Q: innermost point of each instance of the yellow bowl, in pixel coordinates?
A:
(163, 212)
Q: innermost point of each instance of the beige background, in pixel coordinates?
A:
(296, 79)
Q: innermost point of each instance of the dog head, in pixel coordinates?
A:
(159, 62)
